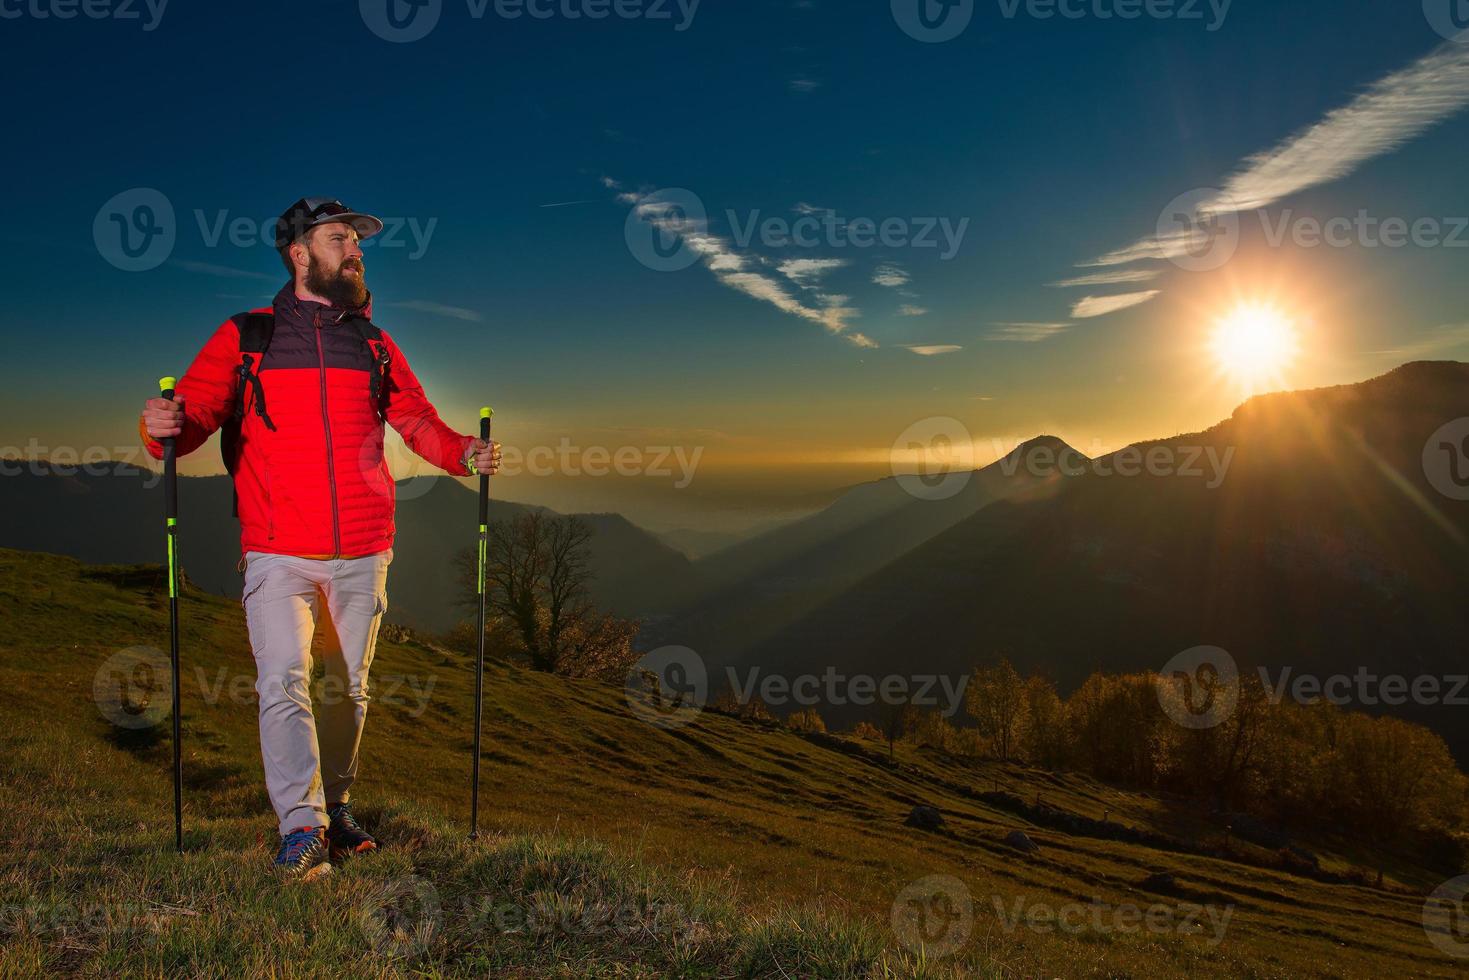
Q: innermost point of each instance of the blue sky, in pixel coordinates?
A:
(1052, 142)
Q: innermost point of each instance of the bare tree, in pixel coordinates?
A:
(537, 576)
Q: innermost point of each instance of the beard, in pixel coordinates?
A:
(347, 292)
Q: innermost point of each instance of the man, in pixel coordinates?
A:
(302, 395)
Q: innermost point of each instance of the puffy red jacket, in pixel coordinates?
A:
(318, 485)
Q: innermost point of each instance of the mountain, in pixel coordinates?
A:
(114, 514)
(1324, 548)
(697, 543)
(752, 590)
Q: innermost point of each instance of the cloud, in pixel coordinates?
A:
(732, 269)
(437, 309)
(908, 309)
(809, 209)
(1433, 343)
(803, 84)
(1391, 112)
(1027, 333)
(807, 272)
(610, 184)
(1102, 305)
(930, 350)
(1110, 278)
(891, 276)
(563, 204)
(1184, 241)
(223, 271)
(1387, 115)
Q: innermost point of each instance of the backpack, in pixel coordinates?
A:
(255, 333)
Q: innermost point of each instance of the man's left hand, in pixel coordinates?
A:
(486, 457)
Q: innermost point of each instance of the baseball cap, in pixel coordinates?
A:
(309, 212)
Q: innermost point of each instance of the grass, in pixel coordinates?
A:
(610, 847)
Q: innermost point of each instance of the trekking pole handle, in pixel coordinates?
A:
(170, 490)
(484, 481)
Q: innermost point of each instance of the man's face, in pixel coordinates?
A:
(334, 269)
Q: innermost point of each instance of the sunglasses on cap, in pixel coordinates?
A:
(309, 212)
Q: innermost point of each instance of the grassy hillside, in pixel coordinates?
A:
(612, 847)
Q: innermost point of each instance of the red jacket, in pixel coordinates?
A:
(318, 486)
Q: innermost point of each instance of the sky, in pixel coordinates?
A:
(761, 248)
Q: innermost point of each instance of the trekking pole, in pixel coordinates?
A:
(479, 663)
(171, 515)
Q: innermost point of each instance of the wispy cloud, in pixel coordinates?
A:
(908, 309)
(1387, 115)
(1440, 340)
(804, 84)
(891, 276)
(564, 204)
(437, 309)
(740, 272)
(1026, 333)
(809, 209)
(1102, 305)
(931, 350)
(1113, 278)
(224, 271)
(807, 272)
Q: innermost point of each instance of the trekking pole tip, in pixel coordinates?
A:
(486, 412)
(167, 384)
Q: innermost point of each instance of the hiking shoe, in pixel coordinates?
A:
(346, 836)
(303, 854)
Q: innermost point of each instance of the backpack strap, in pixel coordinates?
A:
(372, 336)
(256, 330)
(255, 333)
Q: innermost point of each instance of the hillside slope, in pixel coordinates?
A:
(774, 854)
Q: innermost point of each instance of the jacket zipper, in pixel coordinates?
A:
(331, 468)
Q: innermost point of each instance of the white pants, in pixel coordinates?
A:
(311, 760)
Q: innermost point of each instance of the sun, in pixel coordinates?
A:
(1254, 344)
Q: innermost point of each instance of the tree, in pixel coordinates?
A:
(806, 720)
(1043, 739)
(898, 719)
(536, 579)
(995, 699)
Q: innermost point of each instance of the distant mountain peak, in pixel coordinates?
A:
(1053, 446)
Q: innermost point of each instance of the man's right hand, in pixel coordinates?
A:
(163, 419)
